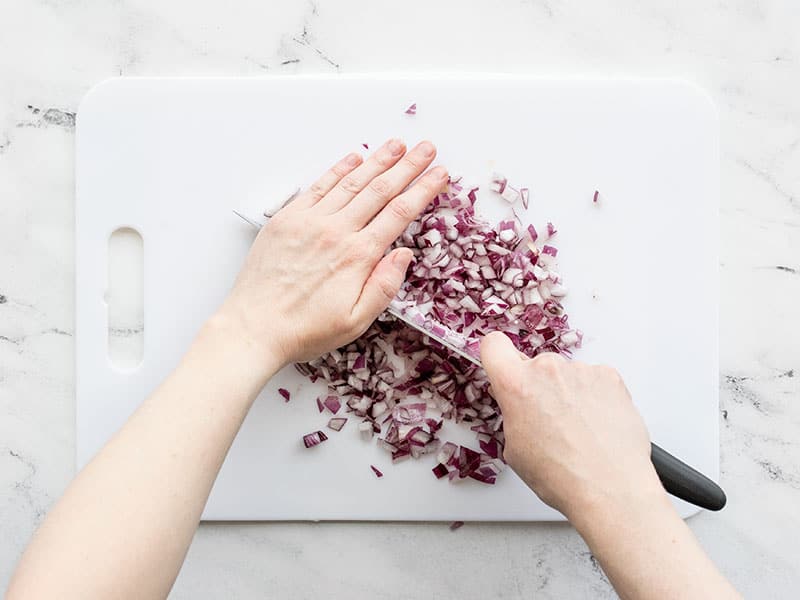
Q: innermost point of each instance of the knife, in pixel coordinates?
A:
(678, 478)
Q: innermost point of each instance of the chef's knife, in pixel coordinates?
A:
(678, 478)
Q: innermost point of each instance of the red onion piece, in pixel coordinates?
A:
(336, 423)
(412, 110)
(498, 183)
(313, 439)
(332, 403)
(456, 525)
(366, 146)
(596, 197)
(377, 471)
(524, 194)
(319, 404)
(285, 393)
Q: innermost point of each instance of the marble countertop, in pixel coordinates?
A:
(746, 53)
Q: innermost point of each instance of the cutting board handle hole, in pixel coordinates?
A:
(124, 298)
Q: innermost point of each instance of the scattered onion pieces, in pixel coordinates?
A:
(472, 279)
(313, 439)
(499, 184)
(285, 393)
(596, 197)
(412, 110)
(366, 146)
(336, 423)
(377, 471)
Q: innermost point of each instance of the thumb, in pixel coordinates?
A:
(382, 285)
(500, 359)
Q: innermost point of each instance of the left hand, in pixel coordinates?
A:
(316, 276)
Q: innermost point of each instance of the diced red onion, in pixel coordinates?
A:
(510, 195)
(285, 393)
(320, 406)
(332, 403)
(377, 471)
(313, 439)
(596, 197)
(412, 110)
(524, 194)
(467, 279)
(336, 423)
(456, 525)
(498, 183)
(366, 146)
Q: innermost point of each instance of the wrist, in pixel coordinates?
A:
(233, 341)
(645, 497)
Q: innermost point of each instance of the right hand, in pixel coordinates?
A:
(572, 432)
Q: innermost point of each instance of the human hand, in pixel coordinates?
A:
(316, 276)
(572, 432)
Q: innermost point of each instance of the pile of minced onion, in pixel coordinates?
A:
(471, 279)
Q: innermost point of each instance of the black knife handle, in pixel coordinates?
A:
(684, 482)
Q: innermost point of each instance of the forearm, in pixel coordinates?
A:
(124, 525)
(647, 551)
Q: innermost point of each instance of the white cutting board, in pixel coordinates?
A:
(172, 157)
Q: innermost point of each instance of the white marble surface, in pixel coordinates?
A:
(746, 53)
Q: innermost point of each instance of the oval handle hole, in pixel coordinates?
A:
(125, 298)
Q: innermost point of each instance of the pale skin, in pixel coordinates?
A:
(316, 277)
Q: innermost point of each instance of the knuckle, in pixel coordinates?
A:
(340, 170)
(316, 190)
(548, 363)
(350, 184)
(412, 163)
(401, 210)
(384, 159)
(373, 245)
(380, 187)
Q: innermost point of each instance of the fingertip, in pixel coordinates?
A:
(438, 172)
(353, 159)
(401, 258)
(498, 347)
(427, 148)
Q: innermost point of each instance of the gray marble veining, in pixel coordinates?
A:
(745, 53)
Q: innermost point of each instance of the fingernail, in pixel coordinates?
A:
(352, 159)
(438, 173)
(427, 148)
(396, 147)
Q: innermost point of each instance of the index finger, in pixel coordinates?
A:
(329, 179)
(393, 219)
